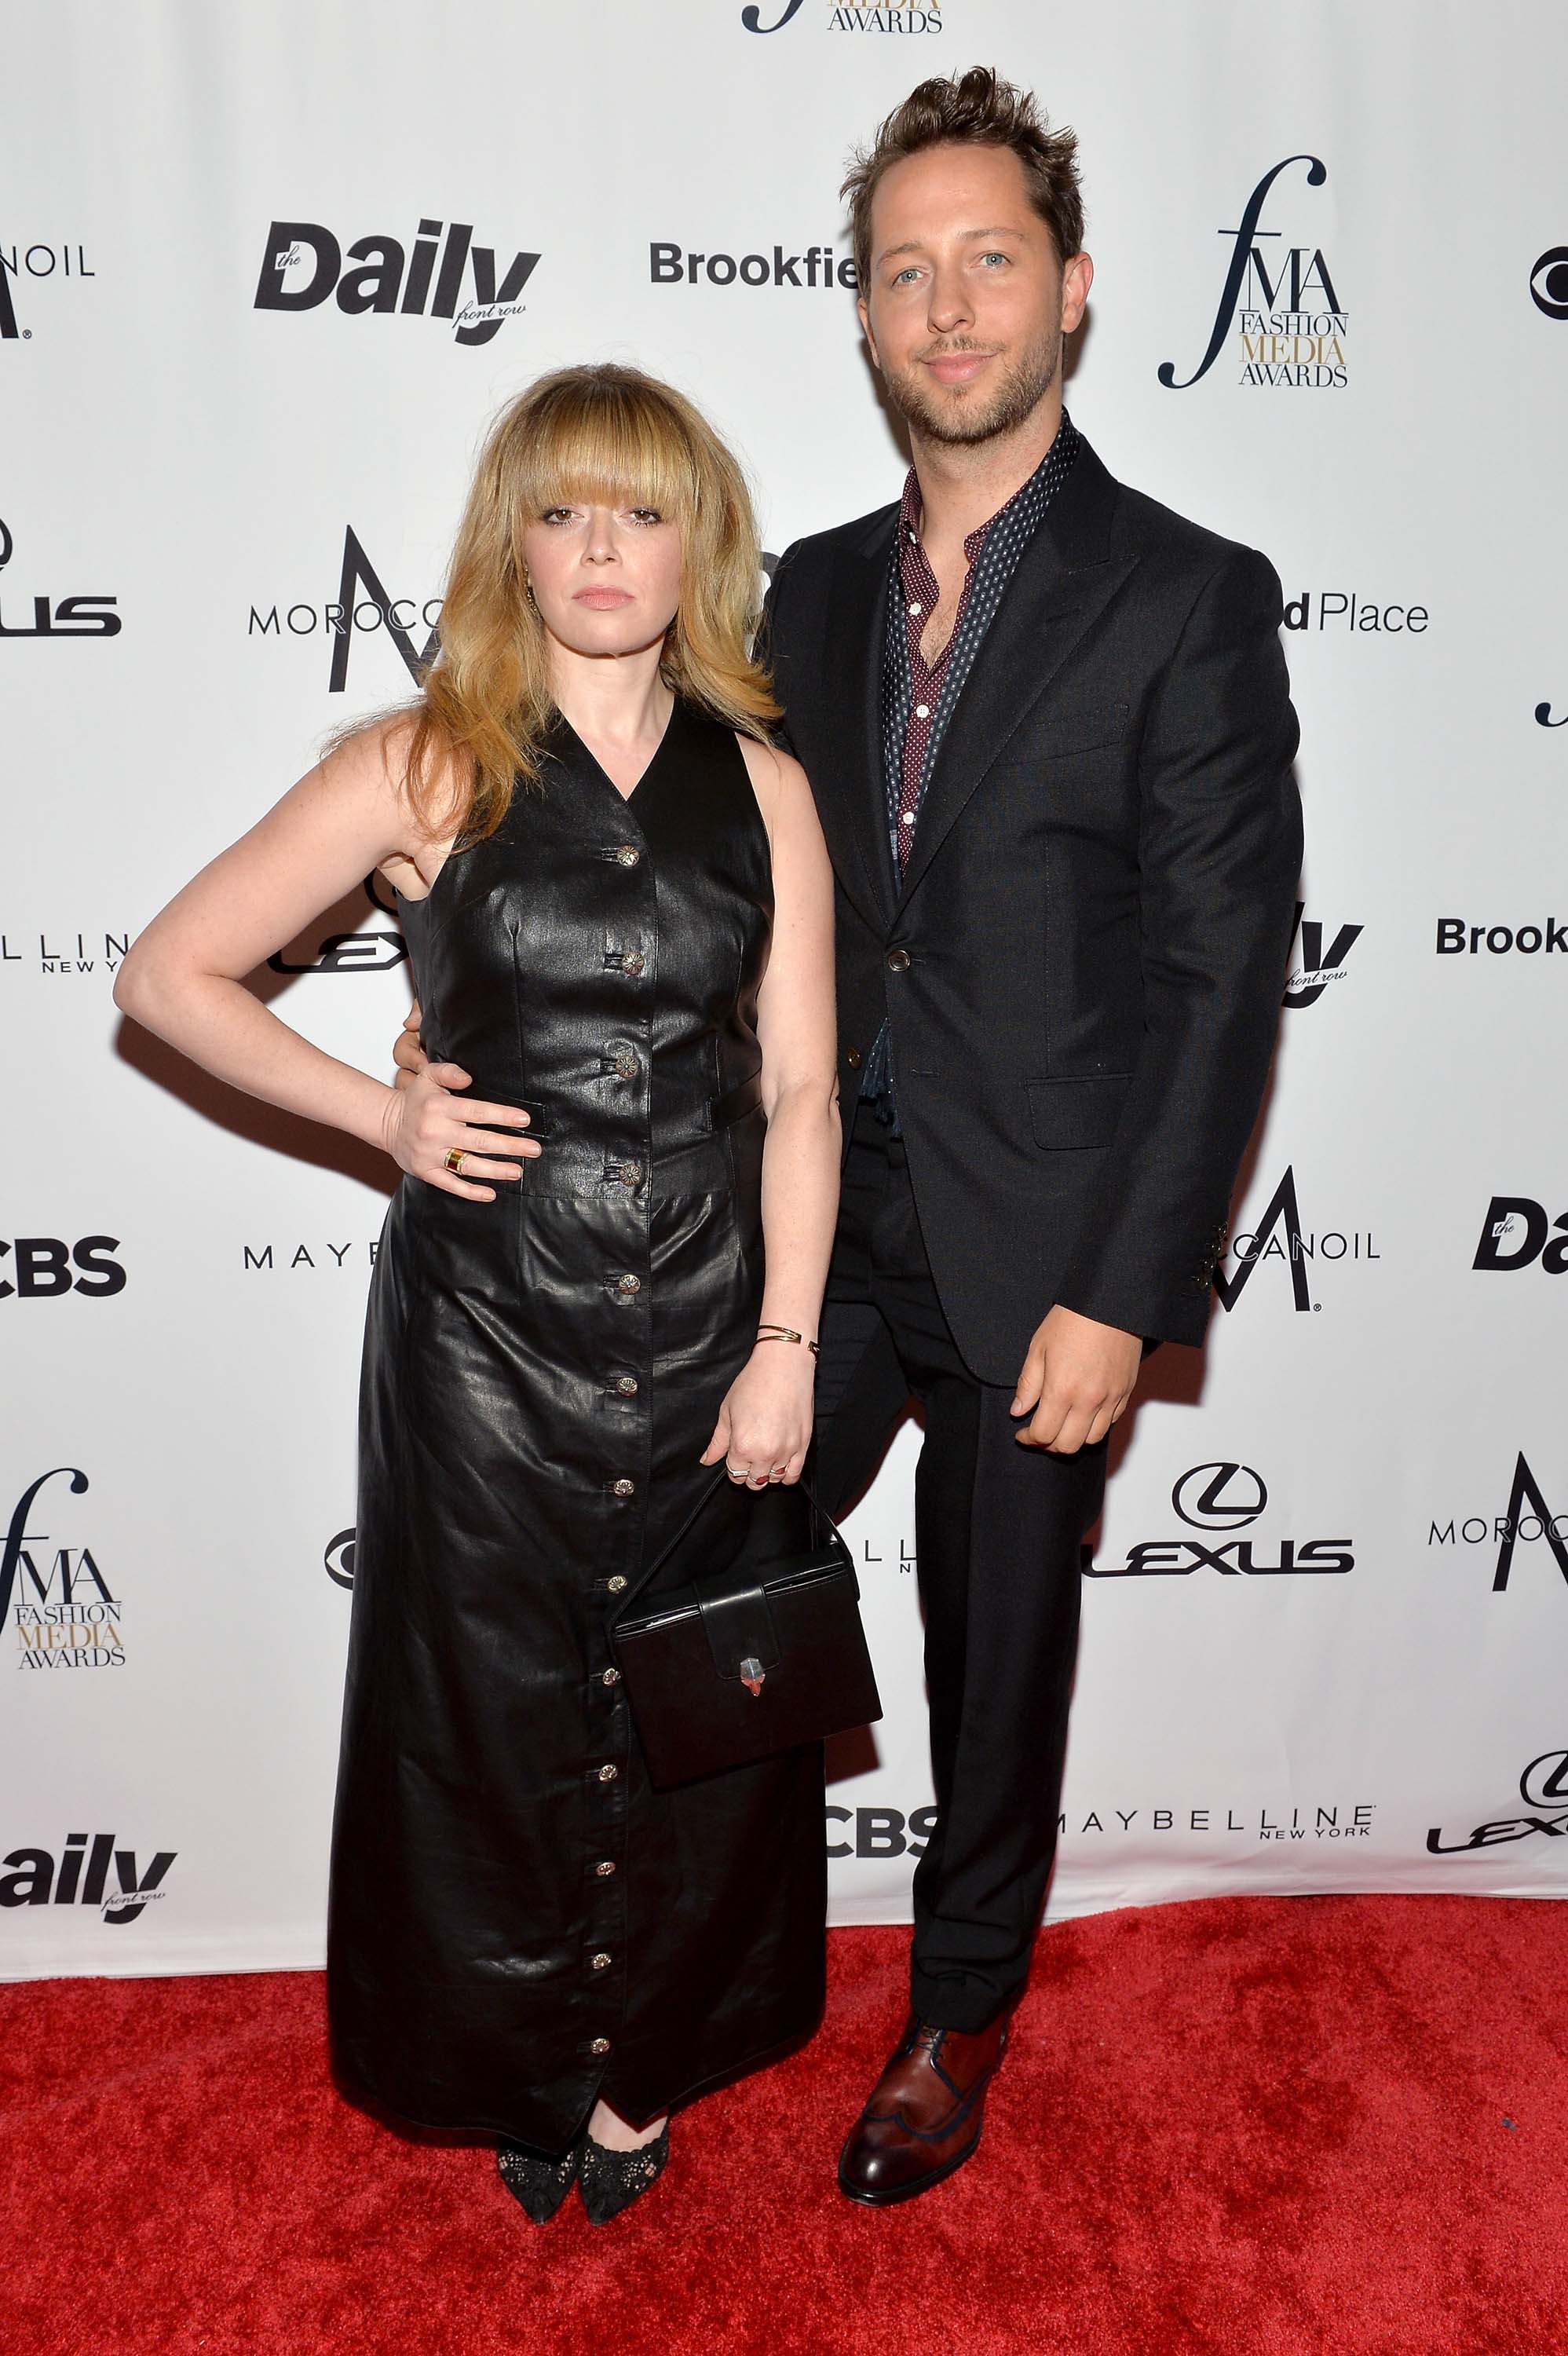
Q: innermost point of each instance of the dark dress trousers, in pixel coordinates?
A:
(1081, 968)
(519, 1921)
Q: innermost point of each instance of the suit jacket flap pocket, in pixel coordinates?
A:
(1078, 729)
(1077, 1112)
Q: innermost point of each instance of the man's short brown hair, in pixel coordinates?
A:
(980, 110)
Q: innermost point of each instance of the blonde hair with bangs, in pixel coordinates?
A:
(608, 435)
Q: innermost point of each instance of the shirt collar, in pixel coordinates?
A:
(1033, 496)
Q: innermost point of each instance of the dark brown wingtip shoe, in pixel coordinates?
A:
(924, 2115)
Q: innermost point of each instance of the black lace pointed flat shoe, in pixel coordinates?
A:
(610, 2182)
(538, 2185)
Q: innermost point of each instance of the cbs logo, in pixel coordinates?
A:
(37, 1268)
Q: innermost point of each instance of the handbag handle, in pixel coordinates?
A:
(719, 1481)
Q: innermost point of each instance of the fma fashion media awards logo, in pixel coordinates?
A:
(29, 271)
(55, 1595)
(1279, 311)
(773, 16)
(441, 274)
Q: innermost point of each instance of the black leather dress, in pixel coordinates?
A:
(519, 1922)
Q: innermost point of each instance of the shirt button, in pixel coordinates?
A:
(626, 1063)
(626, 1385)
(627, 854)
(632, 962)
(608, 1774)
(852, 1058)
(898, 960)
(630, 1174)
(917, 609)
(623, 1488)
(922, 711)
(616, 1587)
(599, 1962)
(610, 1677)
(906, 818)
(628, 1284)
(600, 2045)
(606, 1868)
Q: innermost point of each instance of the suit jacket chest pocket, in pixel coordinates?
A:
(1084, 728)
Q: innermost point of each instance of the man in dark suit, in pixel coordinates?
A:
(1048, 729)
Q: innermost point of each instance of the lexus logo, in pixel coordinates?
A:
(1220, 1497)
(339, 1559)
(1544, 1783)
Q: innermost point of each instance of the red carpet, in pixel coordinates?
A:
(1268, 2127)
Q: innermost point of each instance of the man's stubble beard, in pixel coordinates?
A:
(1008, 406)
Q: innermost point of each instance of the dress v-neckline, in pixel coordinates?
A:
(626, 800)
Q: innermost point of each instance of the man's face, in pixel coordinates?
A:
(966, 304)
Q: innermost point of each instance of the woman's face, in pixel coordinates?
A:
(606, 579)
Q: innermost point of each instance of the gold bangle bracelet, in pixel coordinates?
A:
(785, 1334)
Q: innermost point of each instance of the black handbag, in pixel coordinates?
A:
(745, 1661)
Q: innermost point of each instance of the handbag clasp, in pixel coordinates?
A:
(751, 1675)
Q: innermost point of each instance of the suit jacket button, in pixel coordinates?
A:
(898, 960)
(852, 1058)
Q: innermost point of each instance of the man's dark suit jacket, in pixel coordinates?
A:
(1083, 964)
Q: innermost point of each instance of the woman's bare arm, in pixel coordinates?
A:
(183, 976)
(766, 1419)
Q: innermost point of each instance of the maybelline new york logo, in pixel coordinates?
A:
(56, 1596)
(1543, 1788)
(89, 615)
(1525, 1520)
(1279, 1238)
(303, 265)
(35, 263)
(1282, 305)
(1218, 1501)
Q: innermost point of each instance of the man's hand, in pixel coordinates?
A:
(1078, 1376)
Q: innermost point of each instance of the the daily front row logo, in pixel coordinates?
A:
(81, 1877)
(1518, 1232)
(1543, 1788)
(56, 1597)
(441, 274)
(1306, 982)
(1217, 1502)
(1283, 305)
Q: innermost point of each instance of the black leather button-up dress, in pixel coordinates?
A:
(519, 1922)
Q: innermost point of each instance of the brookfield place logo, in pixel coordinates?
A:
(1281, 306)
(1543, 1788)
(303, 265)
(1217, 1502)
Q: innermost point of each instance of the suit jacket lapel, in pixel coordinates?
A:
(852, 799)
(1064, 581)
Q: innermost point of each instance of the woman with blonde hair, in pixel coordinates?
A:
(599, 1278)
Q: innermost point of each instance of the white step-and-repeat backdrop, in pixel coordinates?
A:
(266, 272)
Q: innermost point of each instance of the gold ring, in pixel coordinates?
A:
(454, 1160)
